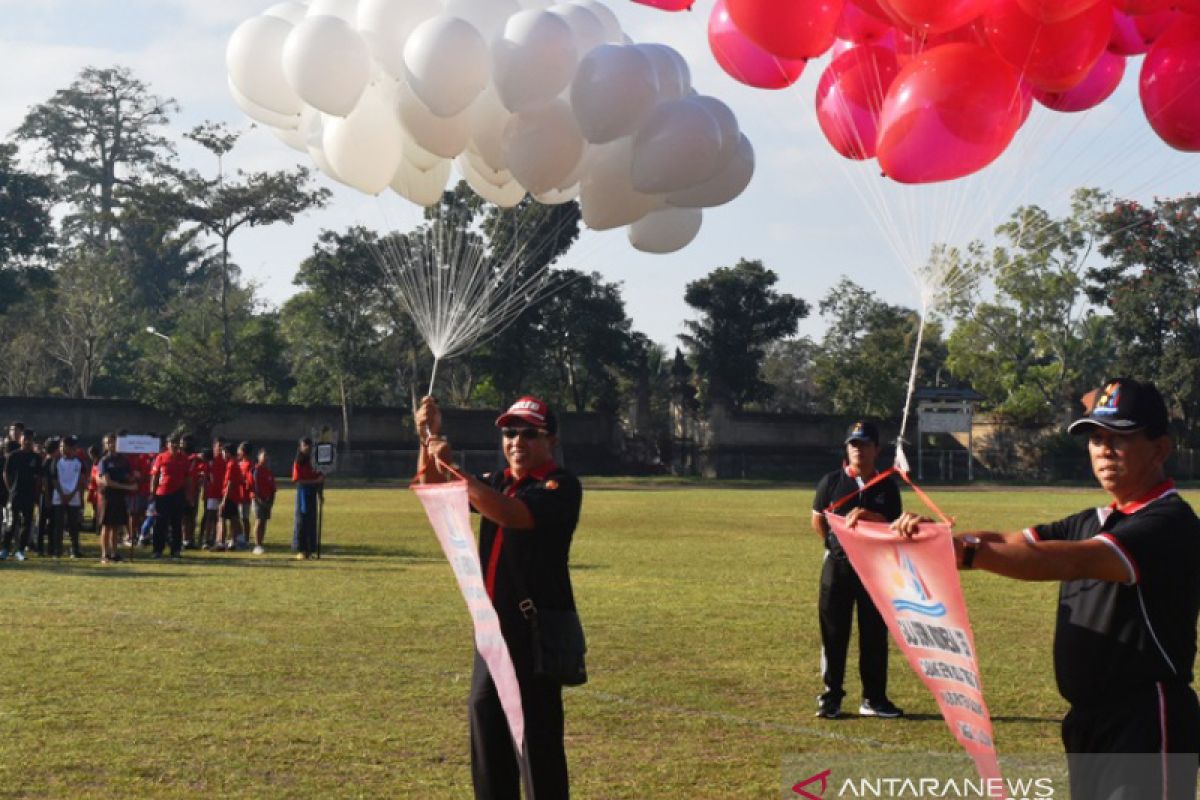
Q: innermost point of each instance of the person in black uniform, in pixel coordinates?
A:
(1128, 605)
(22, 471)
(841, 590)
(529, 513)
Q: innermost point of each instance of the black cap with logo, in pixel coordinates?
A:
(1123, 405)
(863, 432)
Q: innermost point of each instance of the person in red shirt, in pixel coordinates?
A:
(263, 481)
(310, 484)
(231, 502)
(93, 487)
(247, 467)
(194, 497)
(170, 476)
(214, 492)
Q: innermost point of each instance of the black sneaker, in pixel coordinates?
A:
(884, 709)
(829, 709)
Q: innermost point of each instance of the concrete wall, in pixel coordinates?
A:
(383, 440)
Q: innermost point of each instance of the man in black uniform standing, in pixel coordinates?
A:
(22, 470)
(844, 491)
(529, 513)
(1125, 640)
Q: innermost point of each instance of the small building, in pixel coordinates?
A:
(944, 439)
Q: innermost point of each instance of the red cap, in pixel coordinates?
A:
(530, 410)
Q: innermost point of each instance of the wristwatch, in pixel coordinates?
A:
(970, 545)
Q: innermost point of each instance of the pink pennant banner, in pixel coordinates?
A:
(449, 512)
(914, 584)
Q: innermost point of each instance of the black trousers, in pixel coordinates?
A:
(1142, 744)
(169, 522)
(20, 524)
(494, 769)
(841, 592)
(68, 519)
(45, 526)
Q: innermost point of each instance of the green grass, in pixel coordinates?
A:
(242, 676)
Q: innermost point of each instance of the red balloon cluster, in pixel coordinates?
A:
(937, 89)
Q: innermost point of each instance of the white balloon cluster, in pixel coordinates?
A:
(521, 96)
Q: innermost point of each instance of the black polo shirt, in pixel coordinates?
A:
(883, 498)
(1113, 638)
(22, 468)
(540, 555)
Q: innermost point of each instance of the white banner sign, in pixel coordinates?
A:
(136, 444)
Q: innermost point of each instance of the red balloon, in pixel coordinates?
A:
(793, 29)
(1151, 26)
(1187, 6)
(911, 44)
(1051, 56)
(952, 111)
(1056, 10)
(1169, 87)
(856, 25)
(1097, 87)
(935, 16)
(1126, 39)
(1142, 6)
(669, 5)
(873, 8)
(850, 99)
(744, 60)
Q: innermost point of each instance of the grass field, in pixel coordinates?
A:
(253, 677)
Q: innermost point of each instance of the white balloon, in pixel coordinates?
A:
(263, 115)
(505, 196)
(577, 174)
(496, 178)
(423, 187)
(538, 5)
(365, 148)
(443, 136)
(667, 230)
(418, 156)
(556, 197)
(677, 148)
(674, 77)
(614, 91)
(612, 26)
(727, 121)
(447, 61)
(252, 59)
(727, 185)
(488, 119)
(327, 63)
(312, 125)
(586, 27)
(345, 10)
(606, 193)
(534, 60)
(543, 146)
(291, 11)
(488, 16)
(293, 138)
(387, 24)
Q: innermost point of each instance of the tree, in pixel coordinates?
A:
(1033, 348)
(741, 315)
(335, 329)
(867, 351)
(1152, 289)
(91, 319)
(222, 207)
(587, 339)
(26, 228)
(788, 367)
(101, 136)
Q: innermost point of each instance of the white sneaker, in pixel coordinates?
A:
(258, 551)
(20, 555)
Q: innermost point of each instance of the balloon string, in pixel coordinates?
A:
(901, 460)
(433, 375)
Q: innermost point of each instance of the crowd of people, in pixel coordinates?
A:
(182, 498)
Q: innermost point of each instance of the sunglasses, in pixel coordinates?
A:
(528, 434)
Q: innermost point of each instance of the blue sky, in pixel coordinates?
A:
(807, 216)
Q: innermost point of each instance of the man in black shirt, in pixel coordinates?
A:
(844, 491)
(1125, 640)
(529, 512)
(22, 470)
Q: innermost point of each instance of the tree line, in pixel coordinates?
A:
(119, 278)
